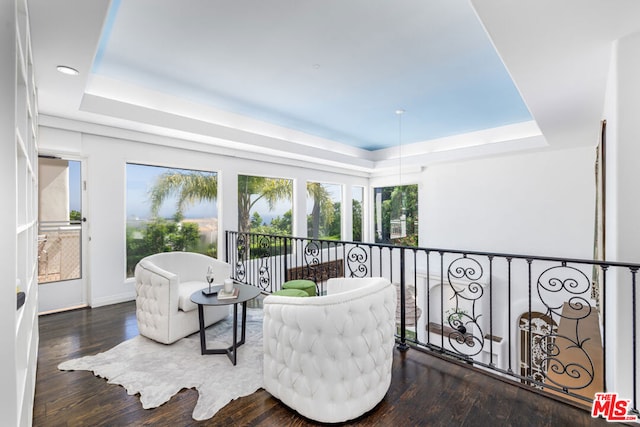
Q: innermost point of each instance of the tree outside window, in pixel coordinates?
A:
(265, 205)
(170, 209)
(396, 215)
(357, 212)
(323, 210)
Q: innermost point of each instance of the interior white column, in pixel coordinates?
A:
(622, 110)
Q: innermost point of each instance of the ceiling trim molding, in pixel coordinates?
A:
(139, 136)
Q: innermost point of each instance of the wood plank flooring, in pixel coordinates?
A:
(425, 390)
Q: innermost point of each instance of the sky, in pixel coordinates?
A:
(75, 183)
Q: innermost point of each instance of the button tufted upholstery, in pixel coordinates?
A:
(329, 357)
(164, 284)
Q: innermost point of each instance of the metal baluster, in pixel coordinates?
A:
(509, 321)
(428, 302)
(403, 324)
(490, 311)
(530, 337)
(441, 301)
(604, 269)
(634, 271)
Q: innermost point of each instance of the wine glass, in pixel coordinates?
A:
(210, 276)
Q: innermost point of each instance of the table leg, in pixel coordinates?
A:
(230, 351)
(203, 343)
(235, 344)
(244, 322)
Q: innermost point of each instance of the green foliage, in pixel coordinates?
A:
(357, 221)
(75, 216)
(251, 189)
(322, 211)
(256, 221)
(330, 227)
(282, 226)
(160, 236)
(279, 226)
(394, 201)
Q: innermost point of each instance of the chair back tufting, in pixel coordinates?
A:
(329, 357)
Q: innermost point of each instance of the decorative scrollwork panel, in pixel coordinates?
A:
(463, 276)
(565, 292)
(357, 258)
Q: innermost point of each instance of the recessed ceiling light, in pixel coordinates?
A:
(67, 70)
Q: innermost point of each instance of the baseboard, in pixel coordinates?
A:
(113, 299)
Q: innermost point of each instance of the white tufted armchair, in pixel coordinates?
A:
(329, 357)
(164, 284)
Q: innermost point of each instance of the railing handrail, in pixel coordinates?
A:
(555, 289)
(602, 263)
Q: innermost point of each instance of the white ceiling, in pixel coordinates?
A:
(322, 80)
(335, 69)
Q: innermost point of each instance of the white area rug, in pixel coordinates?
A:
(159, 371)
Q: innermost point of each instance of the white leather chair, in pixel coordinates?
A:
(164, 284)
(329, 357)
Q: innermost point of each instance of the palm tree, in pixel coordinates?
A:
(322, 207)
(194, 186)
(270, 189)
(191, 187)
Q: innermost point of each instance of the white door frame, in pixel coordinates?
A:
(70, 294)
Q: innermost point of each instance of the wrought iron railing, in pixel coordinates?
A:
(540, 321)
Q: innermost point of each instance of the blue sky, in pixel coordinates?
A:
(75, 183)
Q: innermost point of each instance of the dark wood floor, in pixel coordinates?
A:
(425, 390)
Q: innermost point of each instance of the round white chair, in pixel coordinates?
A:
(329, 357)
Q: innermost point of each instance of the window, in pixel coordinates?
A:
(323, 210)
(170, 209)
(396, 215)
(265, 205)
(357, 212)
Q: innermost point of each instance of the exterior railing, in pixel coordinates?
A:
(541, 321)
(59, 251)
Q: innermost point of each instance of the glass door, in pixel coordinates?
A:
(60, 235)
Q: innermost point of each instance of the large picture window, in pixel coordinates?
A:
(323, 210)
(170, 209)
(265, 205)
(396, 215)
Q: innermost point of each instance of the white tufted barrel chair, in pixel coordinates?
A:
(164, 284)
(329, 357)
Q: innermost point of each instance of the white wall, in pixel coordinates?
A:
(622, 110)
(53, 190)
(538, 203)
(106, 159)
